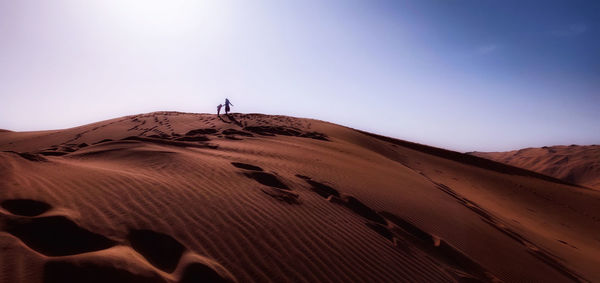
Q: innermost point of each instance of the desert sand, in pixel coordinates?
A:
(578, 164)
(182, 197)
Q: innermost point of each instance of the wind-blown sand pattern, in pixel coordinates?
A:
(180, 197)
(578, 164)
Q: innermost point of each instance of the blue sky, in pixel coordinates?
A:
(466, 75)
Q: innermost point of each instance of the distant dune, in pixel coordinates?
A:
(575, 163)
(182, 197)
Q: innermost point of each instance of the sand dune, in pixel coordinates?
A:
(575, 163)
(180, 197)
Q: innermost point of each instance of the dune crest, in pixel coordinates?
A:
(578, 164)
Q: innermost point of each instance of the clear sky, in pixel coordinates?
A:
(466, 75)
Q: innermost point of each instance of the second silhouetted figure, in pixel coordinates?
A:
(227, 103)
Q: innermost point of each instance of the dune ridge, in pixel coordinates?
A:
(183, 197)
(578, 164)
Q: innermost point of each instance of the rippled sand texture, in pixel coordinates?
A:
(180, 197)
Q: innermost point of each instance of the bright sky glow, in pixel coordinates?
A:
(465, 75)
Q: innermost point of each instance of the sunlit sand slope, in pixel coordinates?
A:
(180, 197)
(579, 164)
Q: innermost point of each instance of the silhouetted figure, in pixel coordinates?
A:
(219, 109)
(227, 109)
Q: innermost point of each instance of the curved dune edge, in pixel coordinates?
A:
(178, 197)
(577, 164)
(78, 255)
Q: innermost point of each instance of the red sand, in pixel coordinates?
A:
(575, 163)
(178, 197)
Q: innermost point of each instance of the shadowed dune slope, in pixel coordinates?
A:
(182, 197)
(579, 164)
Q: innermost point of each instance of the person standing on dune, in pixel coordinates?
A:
(227, 103)
(219, 109)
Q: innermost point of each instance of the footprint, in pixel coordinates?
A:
(246, 166)
(361, 209)
(261, 130)
(201, 132)
(303, 177)
(456, 262)
(232, 137)
(69, 148)
(53, 153)
(193, 138)
(267, 179)
(56, 236)
(25, 207)
(161, 250)
(236, 132)
(166, 253)
(408, 227)
(160, 136)
(320, 188)
(282, 195)
(348, 201)
(102, 141)
(285, 131)
(276, 188)
(170, 142)
(315, 136)
(381, 230)
(29, 156)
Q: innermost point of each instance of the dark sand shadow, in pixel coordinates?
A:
(221, 118)
(234, 120)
